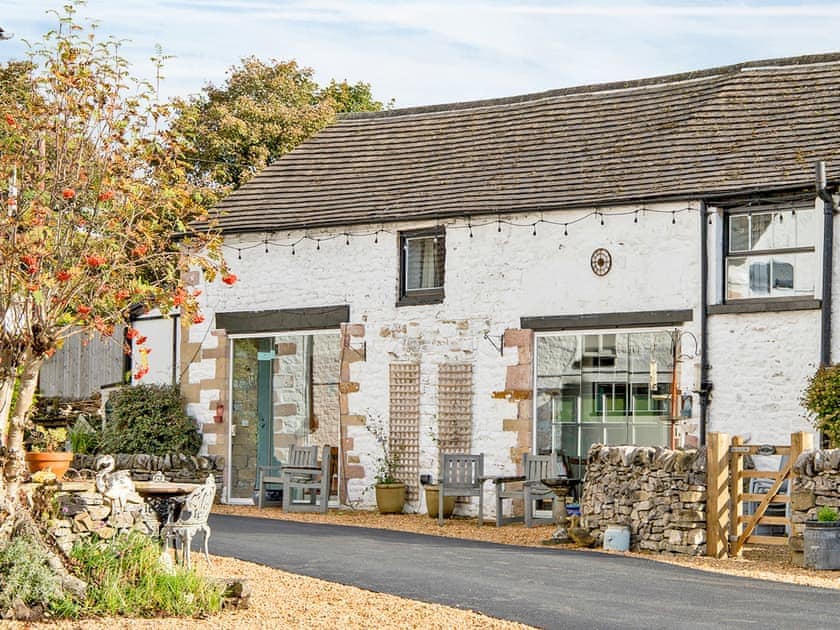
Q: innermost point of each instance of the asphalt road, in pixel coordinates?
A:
(547, 588)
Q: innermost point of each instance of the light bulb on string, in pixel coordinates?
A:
(239, 254)
(602, 217)
(636, 216)
(266, 245)
(346, 238)
(534, 231)
(498, 225)
(673, 217)
(469, 225)
(293, 249)
(376, 237)
(565, 229)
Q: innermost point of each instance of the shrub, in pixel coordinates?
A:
(149, 419)
(827, 514)
(25, 575)
(822, 399)
(126, 577)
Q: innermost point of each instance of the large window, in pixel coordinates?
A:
(422, 256)
(770, 253)
(607, 388)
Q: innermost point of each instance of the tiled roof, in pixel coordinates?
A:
(752, 126)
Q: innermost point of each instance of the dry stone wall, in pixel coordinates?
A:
(659, 494)
(816, 483)
(176, 467)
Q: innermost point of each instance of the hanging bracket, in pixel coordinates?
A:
(500, 348)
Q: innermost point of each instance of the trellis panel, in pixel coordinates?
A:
(455, 392)
(404, 430)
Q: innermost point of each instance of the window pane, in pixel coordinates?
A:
(770, 276)
(736, 279)
(739, 240)
(422, 268)
(761, 231)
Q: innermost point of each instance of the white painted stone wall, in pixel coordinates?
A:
(760, 365)
(492, 279)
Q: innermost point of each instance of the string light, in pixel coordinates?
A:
(468, 225)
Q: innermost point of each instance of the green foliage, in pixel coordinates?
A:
(263, 110)
(83, 437)
(149, 419)
(386, 465)
(822, 399)
(827, 514)
(26, 575)
(44, 440)
(125, 577)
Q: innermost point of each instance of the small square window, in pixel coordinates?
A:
(422, 255)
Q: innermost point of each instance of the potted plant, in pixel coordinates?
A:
(390, 492)
(822, 540)
(46, 451)
(431, 489)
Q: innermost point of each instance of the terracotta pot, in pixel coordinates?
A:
(56, 461)
(390, 497)
(432, 503)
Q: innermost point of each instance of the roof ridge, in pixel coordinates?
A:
(613, 86)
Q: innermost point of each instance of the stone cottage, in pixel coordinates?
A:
(638, 262)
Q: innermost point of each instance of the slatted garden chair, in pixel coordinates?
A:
(312, 482)
(299, 456)
(527, 487)
(461, 475)
(191, 520)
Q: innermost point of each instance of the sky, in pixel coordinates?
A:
(429, 52)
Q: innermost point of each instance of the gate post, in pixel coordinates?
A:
(717, 494)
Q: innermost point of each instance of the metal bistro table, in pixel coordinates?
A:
(163, 496)
(561, 487)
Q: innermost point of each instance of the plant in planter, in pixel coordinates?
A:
(390, 491)
(47, 451)
(822, 540)
(431, 489)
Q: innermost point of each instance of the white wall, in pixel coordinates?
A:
(163, 338)
(492, 279)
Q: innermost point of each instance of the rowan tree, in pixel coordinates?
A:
(96, 214)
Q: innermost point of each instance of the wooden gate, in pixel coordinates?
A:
(728, 529)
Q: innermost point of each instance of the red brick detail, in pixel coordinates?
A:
(356, 330)
(518, 377)
(354, 471)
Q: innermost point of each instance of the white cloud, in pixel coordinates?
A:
(429, 52)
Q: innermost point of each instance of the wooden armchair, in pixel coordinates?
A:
(528, 487)
(299, 456)
(191, 520)
(461, 475)
(313, 482)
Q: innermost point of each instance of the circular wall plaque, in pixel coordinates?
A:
(601, 262)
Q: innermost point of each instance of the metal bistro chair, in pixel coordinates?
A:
(299, 456)
(192, 519)
(461, 475)
(313, 482)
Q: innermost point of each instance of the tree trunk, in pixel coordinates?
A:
(14, 465)
(7, 386)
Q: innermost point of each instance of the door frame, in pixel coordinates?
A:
(226, 498)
